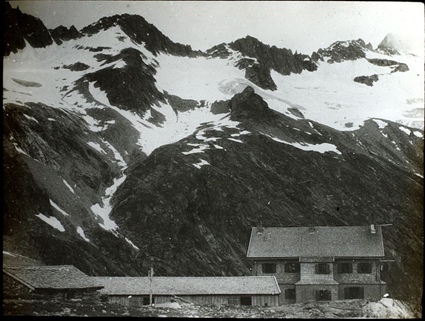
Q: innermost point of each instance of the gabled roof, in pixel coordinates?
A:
(58, 277)
(231, 285)
(319, 241)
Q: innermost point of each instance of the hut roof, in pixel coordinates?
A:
(226, 285)
(58, 277)
(318, 241)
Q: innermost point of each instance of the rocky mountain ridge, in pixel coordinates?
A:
(143, 173)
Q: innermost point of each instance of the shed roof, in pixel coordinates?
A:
(319, 241)
(57, 277)
(231, 285)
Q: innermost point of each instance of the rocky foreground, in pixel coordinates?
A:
(385, 308)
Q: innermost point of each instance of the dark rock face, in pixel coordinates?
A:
(280, 59)
(220, 107)
(61, 34)
(218, 51)
(264, 58)
(260, 76)
(396, 66)
(367, 80)
(131, 87)
(401, 68)
(383, 62)
(19, 27)
(249, 106)
(37, 177)
(182, 105)
(78, 66)
(343, 50)
(296, 112)
(139, 30)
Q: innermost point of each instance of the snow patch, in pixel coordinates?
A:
(132, 244)
(20, 150)
(201, 163)
(404, 129)
(235, 140)
(199, 149)
(104, 209)
(52, 221)
(118, 157)
(81, 232)
(96, 146)
(321, 148)
(69, 186)
(381, 124)
(58, 208)
(30, 118)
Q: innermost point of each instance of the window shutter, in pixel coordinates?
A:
(328, 268)
(317, 268)
(317, 295)
(346, 293)
(350, 269)
(361, 293)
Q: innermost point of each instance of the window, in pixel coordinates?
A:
(345, 268)
(269, 268)
(354, 292)
(364, 268)
(292, 267)
(323, 295)
(290, 294)
(322, 268)
(146, 301)
(246, 300)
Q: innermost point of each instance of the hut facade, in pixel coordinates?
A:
(320, 263)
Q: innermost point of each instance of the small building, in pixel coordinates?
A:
(58, 281)
(320, 263)
(237, 290)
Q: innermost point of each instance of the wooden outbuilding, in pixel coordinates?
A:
(237, 290)
(58, 281)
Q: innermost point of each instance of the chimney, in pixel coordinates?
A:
(372, 229)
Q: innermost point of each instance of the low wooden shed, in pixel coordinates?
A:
(61, 281)
(237, 290)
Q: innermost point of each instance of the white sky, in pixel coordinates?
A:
(299, 25)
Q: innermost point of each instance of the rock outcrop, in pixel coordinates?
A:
(20, 27)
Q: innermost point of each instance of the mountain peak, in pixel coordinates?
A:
(394, 43)
(140, 31)
(343, 50)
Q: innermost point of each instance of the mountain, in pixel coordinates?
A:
(123, 149)
(21, 28)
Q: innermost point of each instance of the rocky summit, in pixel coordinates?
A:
(123, 149)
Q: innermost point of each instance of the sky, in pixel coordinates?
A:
(304, 26)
